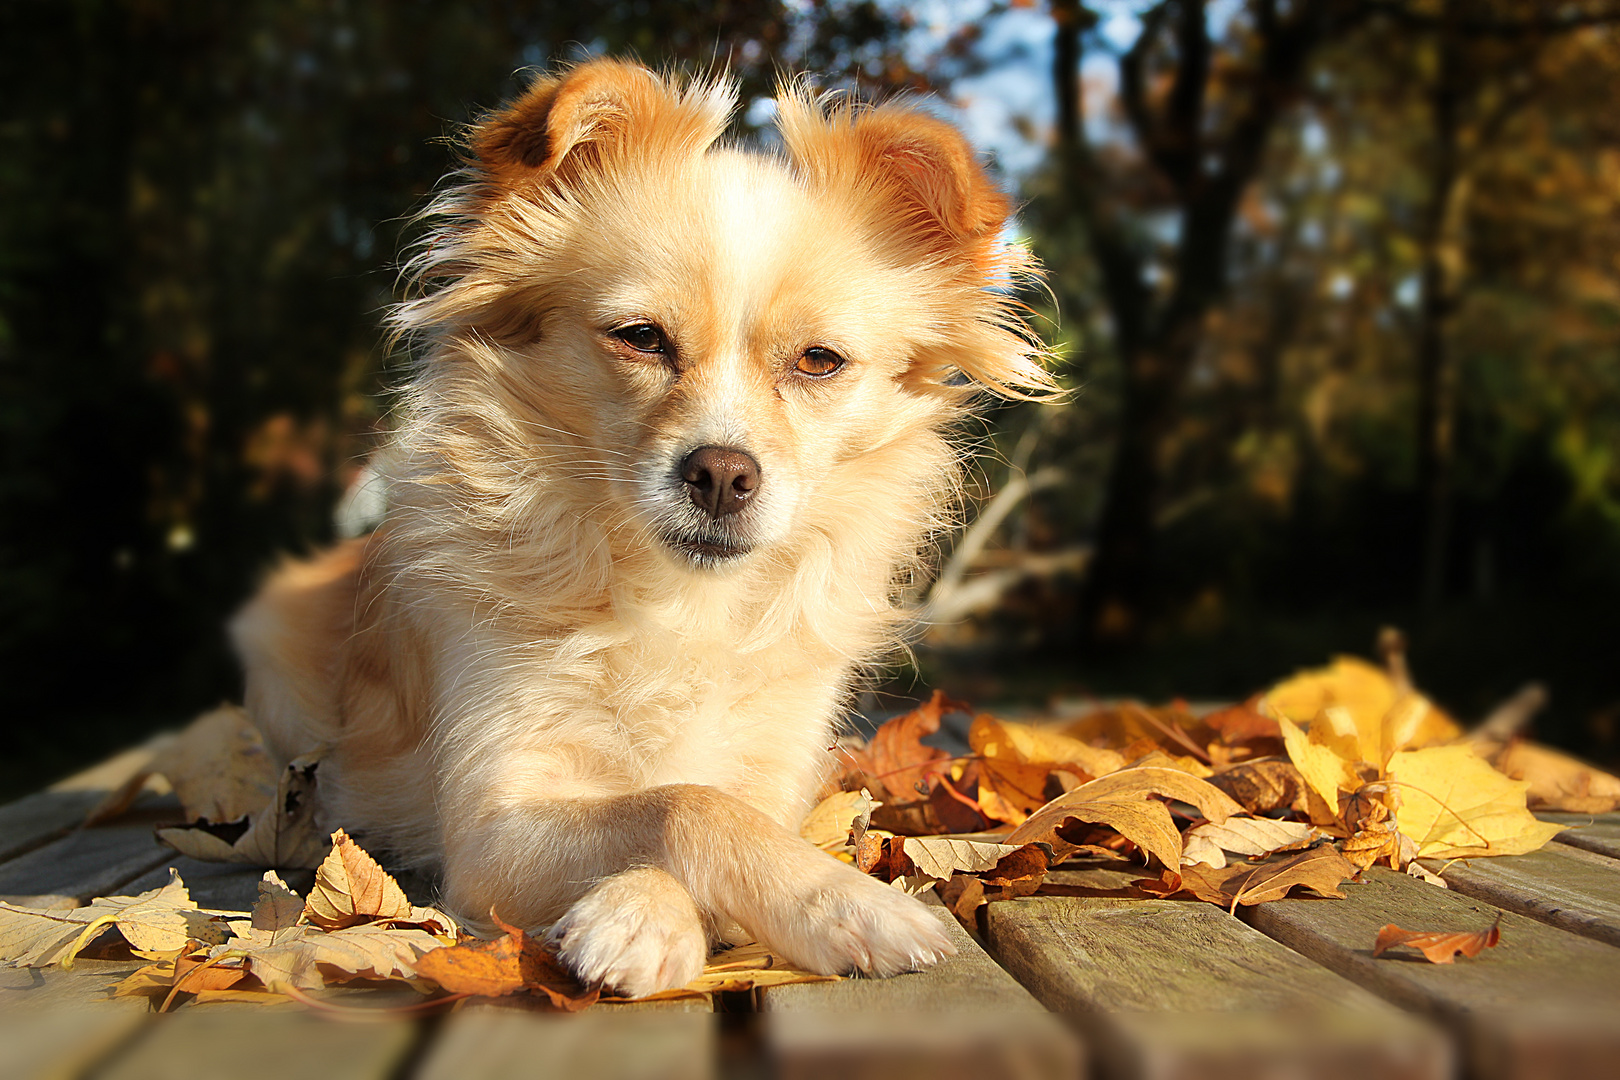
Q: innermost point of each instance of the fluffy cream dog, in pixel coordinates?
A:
(677, 435)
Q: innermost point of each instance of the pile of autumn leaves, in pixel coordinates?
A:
(1302, 787)
(355, 930)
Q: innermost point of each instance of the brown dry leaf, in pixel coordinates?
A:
(219, 766)
(1243, 723)
(1045, 746)
(1378, 841)
(161, 920)
(308, 958)
(1121, 801)
(278, 906)
(896, 757)
(1264, 786)
(350, 888)
(1241, 836)
(1158, 759)
(1454, 805)
(1440, 947)
(940, 857)
(1134, 729)
(964, 895)
(1009, 787)
(1558, 781)
(829, 824)
(185, 972)
(1320, 869)
(505, 965)
(280, 833)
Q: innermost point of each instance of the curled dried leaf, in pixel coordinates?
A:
(1439, 946)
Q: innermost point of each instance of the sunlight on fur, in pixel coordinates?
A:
(680, 432)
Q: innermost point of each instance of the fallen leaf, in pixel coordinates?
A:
(278, 906)
(1253, 836)
(161, 920)
(281, 833)
(896, 757)
(743, 967)
(1320, 869)
(307, 957)
(1453, 804)
(1381, 717)
(828, 825)
(1263, 786)
(350, 888)
(1326, 758)
(1440, 947)
(503, 966)
(1243, 723)
(184, 972)
(1379, 841)
(1047, 746)
(1158, 759)
(1121, 801)
(1556, 780)
(964, 895)
(1009, 786)
(219, 766)
(1201, 849)
(940, 857)
(1423, 874)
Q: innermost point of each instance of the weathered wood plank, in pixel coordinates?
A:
(493, 1044)
(882, 1045)
(1177, 989)
(84, 864)
(1542, 1003)
(58, 1024)
(1566, 887)
(37, 819)
(226, 1043)
(964, 1017)
(970, 979)
(87, 985)
(1599, 833)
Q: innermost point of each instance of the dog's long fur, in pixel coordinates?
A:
(548, 672)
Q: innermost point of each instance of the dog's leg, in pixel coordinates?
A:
(531, 863)
(638, 931)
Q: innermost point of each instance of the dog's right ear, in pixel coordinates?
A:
(594, 114)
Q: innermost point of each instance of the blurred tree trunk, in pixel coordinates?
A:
(1206, 166)
(1439, 242)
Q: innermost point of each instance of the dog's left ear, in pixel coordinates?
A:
(564, 126)
(920, 167)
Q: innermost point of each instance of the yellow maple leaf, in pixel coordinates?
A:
(1360, 700)
(1453, 804)
(1325, 758)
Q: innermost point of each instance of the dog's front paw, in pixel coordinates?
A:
(637, 932)
(850, 922)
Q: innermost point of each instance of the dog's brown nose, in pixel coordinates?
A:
(719, 479)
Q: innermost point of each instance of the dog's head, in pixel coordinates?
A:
(717, 352)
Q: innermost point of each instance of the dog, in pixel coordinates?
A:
(681, 426)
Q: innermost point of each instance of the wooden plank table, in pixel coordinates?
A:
(1092, 984)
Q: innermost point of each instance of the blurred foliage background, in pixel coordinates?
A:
(1336, 286)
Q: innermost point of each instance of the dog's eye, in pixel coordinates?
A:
(643, 337)
(818, 362)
